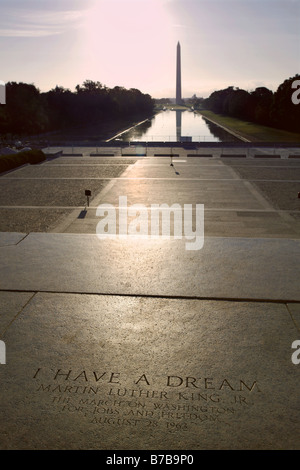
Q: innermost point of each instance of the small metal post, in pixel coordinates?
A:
(171, 164)
(88, 193)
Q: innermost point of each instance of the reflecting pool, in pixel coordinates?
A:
(177, 126)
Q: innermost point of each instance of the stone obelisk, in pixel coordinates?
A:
(178, 76)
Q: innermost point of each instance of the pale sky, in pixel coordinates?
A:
(132, 43)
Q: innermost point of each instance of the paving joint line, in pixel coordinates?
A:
(40, 178)
(20, 241)
(121, 207)
(2, 334)
(156, 296)
(292, 318)
(15, 244)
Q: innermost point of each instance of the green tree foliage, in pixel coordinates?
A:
(285, 114)
(8, 162)
(262, 99)
(27, 111)
(260, 106)
(24, 111)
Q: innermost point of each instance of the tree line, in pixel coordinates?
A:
(28, 111)
(261, 106)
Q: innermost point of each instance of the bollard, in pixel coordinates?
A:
(88, 193)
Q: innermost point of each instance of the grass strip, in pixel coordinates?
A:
(251, 131)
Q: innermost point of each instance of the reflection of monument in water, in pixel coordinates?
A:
(178, 125)
(179, 137)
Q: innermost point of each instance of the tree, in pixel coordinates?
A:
(89, 86)
(261, 106)
(27, 111)
(262, 99)
(24, 109)
(284, 113)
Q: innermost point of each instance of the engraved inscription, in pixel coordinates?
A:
(174, 402)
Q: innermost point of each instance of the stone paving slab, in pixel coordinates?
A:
(212, 182)
(218, 222)
(213, 195)
(283, 173)
(240, 268)
(282, 194)
(30, 219)
(7, 239)
(90, 161)
(37, 192)
(142, 344)
(181, 170)
(263, 162)
(60, 172)
(12, 305)
(294, 310)
(102, 372)
(195, 180)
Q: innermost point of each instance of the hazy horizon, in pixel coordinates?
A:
(132, 43)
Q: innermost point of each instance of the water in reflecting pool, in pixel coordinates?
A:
(177, 126)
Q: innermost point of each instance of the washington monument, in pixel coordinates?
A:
(178, 76)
